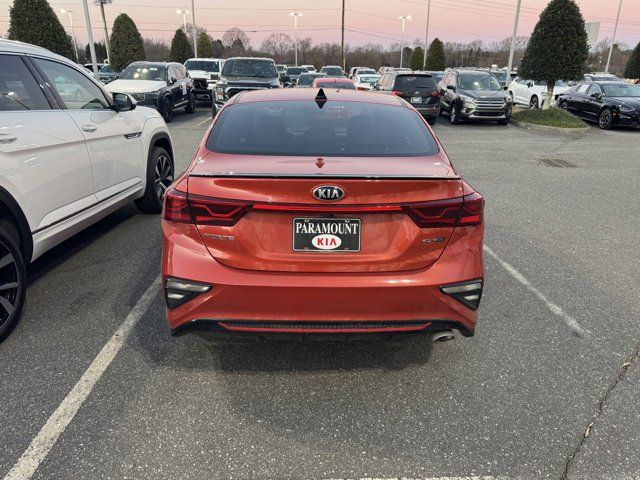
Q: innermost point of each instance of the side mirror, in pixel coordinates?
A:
(173, 80)
(505, 87)
(451, 87)
(123, 102)
(376, 86)
(597, 96)
(529, 84)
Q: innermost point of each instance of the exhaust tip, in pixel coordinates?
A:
(443, 336)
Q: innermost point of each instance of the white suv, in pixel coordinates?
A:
(70, 154)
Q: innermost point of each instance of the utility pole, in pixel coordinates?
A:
(513, 38)
(295, 16)
(344, 60)
(92, 47)
(615, 31)
(102, 3)
(73, 35)
(404, 18)
(193, 28)
(426, 35)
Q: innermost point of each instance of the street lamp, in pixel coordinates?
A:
(102, 3)
(404, 18)
(513, 39)
(613, 40)
(73, 36)
(426, 35)
(184, 14)
(295, 16)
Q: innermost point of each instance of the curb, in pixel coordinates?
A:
(571, 132)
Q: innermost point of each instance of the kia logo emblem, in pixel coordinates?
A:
(328, 193)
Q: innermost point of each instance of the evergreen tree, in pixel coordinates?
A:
(34, 21)
(126, 43)
(181, 49)
(218, 48)
(558, 47)
(435, 56)
(632, 70)
(417, 59)
(101, 51)
(205, 47)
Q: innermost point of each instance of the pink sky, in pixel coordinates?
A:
(373, 21)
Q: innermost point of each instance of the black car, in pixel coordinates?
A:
(164, 86)
(419, 89)
(609, 104)
(474, 95)
(244, 73)
(305, 80)
(293, 73)
(108, 74)
(332, 71)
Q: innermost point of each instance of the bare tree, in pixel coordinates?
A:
(277, 45)
(235, 37)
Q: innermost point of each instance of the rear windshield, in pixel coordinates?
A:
(202, 65)
(296, 70)
(344, 85)
(306, 79)
(332, 70)
(412, 82)
(339, 129)
(249, 68)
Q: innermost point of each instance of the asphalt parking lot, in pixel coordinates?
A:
(548, 388)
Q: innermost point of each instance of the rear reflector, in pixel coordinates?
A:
(468, 293)
(178, 291)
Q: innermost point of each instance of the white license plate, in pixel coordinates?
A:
(416, 99)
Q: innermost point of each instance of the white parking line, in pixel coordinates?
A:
(42, 444)
(202, 122)
(571, 322)
(473, 477)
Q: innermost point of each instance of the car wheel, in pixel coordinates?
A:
(214, 109)
(605, 119)
(167, 109)
(563, 105)
(432, 120)
(160, 175)
(453, 116)
(504, 121)
(533, 103)
(191, 106)
(13, 279)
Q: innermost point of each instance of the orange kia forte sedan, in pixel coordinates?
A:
(308, 211)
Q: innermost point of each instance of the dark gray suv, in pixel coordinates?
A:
(244, 73)
(474, 95)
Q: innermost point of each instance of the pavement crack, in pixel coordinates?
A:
(622, 370)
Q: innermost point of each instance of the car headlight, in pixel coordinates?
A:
(626, 108)
(152, 94)
(508, 99)
(469, 100)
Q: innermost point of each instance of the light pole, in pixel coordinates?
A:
(615, 31)
(193, 27)
(92, 47)
(295, 16)
(184, 14)
(513, 39)
(404, 18)
(73, 35)
(102, 3)
(426, 35)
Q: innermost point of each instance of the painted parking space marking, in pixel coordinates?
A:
(48, 435)
(571, 322)
(473, 477)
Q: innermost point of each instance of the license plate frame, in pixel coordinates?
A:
(302, 241)
(416, 99)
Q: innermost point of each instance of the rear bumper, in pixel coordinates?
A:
(243, 301)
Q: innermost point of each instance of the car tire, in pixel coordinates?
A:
(13, 279)
(160, 175)
(214, 109)
(563, 105)
(432, 120)
(191, 106)
(533, 103)
(504, 121)
(605, 119)
(453, 116)
(166, 110)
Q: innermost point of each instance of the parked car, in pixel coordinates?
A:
(502, 75)
(533, 94)
(474, 95)
(164, 86)
(366, 81)
(360, 70)
(305, 80)
(437, 75)
(281, 68)
(332, 71)
(205, 73)
(384, 70)
(108, 74)
(240, 74)
(293, 73)
(609, 104)
(67, 159)
(310, 68)
(277, 226)
(332, 82)
(419, 89)
(601, 77)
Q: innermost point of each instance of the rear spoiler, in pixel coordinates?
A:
(323, 176)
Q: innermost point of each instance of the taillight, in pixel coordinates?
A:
(183, 208)
(363, 88)
(212, 211)
(435, 94)
(462, 211)
(396, 92)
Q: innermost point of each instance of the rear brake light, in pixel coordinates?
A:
(435, 94)
(463, 211)
(183, 208)
(396, 92)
